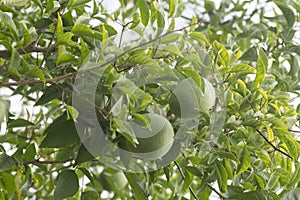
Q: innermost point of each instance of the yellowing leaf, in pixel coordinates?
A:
(270, 133)
(223, 54)
(104, 37)
(244, 162)
(59, 29)
(242, 68)
(261, 68)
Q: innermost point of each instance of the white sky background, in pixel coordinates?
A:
(110, 6)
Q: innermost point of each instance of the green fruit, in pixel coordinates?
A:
(188, 99)
(112, 180)
(154, 141)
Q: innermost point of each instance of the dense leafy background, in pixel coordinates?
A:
(253, 46)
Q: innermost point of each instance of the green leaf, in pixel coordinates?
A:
(144, 11)
(19, 123)
(104, 37)
(245, 162)
(7, 20)
(89, 195)
(221, 176)
(172, 7)
(59, 29)
(186, 182)
(66, 39)
(82, 30)
(137, 190)
(44, 23)
(51, 92)
(287, 12)
(223, 54)
(38, 73)
(160, 22)
(85, 53)
(242, 68)
(60, 133)
(30, 153)
(194, 75)
(83, 155)
(8, 184)
(67, 185)
(66, 58)
(72, 111)
(273, 180)
(261, 68)
(294, 63)
(173, 49)
(295, 179)
(195, 171)
(172, 37)
(79, 3)
(142, 118)
(255, 195)
(87, 174)
(6, 162)
(250, 55)
(26, 36)
(200, 37)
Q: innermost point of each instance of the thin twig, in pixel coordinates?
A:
(274, 147)
(70, 75)
(208, 185)
(183, 177)
(294, 131)
(24, 50)
(47, 162)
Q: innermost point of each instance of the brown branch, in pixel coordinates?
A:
(183, 177)
(70, 75)
(24, 50)
(274, 147)
(294, 131)
(47, 162)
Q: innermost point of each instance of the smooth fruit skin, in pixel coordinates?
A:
(118, 179)
(187, 99)
(154, 142)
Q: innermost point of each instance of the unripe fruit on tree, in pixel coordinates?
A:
(118, 179)
(187, 99)
(154, 141)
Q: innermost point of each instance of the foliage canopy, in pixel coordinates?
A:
(243, 147)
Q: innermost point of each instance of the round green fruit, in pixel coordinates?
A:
(187, 99)
(111, 180)
(154, 141)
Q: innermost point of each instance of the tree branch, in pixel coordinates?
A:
(183, 177)
(70, 75)
(47, 162)
(274, 147)
(24, 50)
